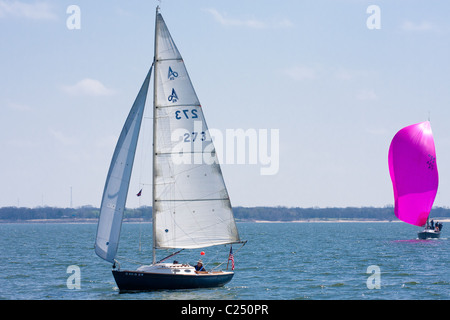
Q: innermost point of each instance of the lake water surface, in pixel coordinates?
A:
(281, 261)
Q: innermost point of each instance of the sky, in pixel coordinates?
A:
(331, 82)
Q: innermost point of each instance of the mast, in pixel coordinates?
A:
(154, 138)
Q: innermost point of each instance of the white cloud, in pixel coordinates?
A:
(107, 142)
(423, 26)
(121, 12)
(300, 73)
(377, 131)
(250, 22)
(36, 11)
(367, 94)
(22, 143)
(349, 74)
(62, 138)
(18, 106)
(88, 87)
(317, 71)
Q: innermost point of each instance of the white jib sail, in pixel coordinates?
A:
(191, 207)
(118, 179)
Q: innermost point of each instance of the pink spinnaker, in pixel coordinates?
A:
(414, 174)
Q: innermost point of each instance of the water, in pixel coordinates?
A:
(281, 261)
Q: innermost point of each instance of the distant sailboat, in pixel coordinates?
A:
(414, 175)
(191, 206)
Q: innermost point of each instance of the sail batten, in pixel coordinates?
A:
(179, 105)
(192, 200)
(169, 59)
(414, 173)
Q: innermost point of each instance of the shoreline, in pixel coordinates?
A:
(327, 221)
(138, 220)
(341, 221)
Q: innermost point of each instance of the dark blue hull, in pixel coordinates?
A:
(146, 281)
(429, 234)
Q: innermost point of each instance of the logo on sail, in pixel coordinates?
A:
(432, 162)
(173, 97)
(172, 74)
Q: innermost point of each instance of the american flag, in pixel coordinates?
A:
(231, 257)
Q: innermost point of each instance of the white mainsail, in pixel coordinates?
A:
(191, 206)
(118, 179)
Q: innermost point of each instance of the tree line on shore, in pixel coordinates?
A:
(17, 214)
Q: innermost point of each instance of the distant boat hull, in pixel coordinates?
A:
(428, 234)
(173, 278)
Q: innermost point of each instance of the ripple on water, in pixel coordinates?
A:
(280, 261)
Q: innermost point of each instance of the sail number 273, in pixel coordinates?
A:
(191, 137)
(186, 114)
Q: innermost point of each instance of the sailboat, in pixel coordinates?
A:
(191, 207)
(414, 175)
